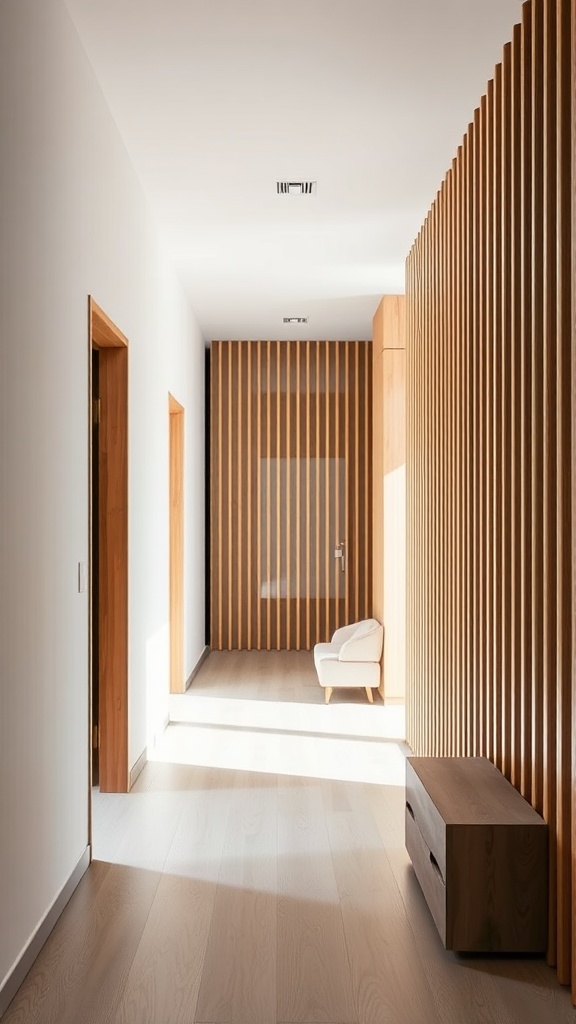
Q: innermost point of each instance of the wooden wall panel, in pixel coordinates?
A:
(291, 479)
(490, 314)
(389, 489)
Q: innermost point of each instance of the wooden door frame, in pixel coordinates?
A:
(112, 346)
(176, 543)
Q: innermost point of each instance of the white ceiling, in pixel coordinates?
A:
(218, 99)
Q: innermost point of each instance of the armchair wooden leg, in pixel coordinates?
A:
(327, 694)
(369, 694)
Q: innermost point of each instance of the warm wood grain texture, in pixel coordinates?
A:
(291, 473)
(490, 315)
(104, 333)
(112, 550)
(480, 853)
(176, 536)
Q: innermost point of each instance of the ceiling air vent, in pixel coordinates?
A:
(295, 319)
(296, 188)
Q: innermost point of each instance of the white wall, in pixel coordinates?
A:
(73, 221)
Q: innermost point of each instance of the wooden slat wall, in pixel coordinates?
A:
(291, 477)
(490, 312)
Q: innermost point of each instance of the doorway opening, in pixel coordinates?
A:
(109, 553)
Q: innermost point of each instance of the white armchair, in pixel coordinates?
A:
(352, 658)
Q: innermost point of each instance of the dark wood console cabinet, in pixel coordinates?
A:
(480, 853)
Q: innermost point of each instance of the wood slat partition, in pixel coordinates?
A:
(291, 479)
(490, 393)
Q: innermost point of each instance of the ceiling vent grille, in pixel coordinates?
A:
(295, 319)
(296, 188)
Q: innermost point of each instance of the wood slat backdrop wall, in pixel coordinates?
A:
(291, 428)
(490, 540)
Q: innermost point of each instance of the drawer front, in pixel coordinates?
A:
(426, 816)
(428, 874)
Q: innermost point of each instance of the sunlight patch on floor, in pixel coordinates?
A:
(282, 752)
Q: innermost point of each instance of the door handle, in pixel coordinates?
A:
(339, 553)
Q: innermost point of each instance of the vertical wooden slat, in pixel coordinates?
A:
(356, 465)
(536, 404)
(268, 454)
(516, 241)
(280, 350)
(317, 515)
(259, 428)
(220, 531)
(506, 455)
(571, 213)
(548, 452)
(525, 406)
(298, 509)
(564, 457)
(249, 510)
(307, 501)
(495, 384)
(338, 534)
(239, 603)
(288, 478)
(348, 477)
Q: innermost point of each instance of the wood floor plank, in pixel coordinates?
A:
(388, 978)
(239, 975)
(164, 979)
(82, 969)
(314, 980)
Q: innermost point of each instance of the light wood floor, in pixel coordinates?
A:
(228, 896)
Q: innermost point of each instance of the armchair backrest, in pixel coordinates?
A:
(365, 643)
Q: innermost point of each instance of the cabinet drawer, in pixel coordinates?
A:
(426, 816)
(428, 873)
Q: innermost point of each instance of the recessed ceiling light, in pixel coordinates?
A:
(295, 319)
(296, 188)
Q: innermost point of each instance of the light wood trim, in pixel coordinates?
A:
(176, 545)
(103, 332)
(112, 528)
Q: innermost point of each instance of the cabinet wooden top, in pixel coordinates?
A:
(471, 791)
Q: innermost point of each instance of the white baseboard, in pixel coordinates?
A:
(16, 976)
(198, 665)
(137, 768)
